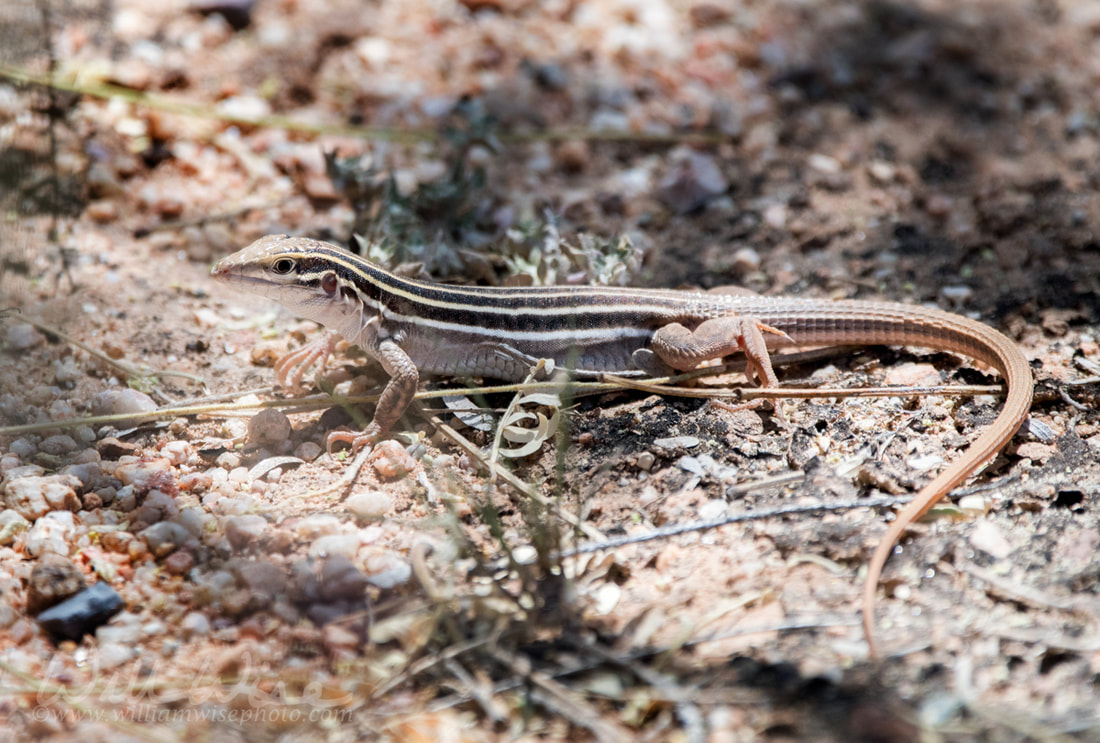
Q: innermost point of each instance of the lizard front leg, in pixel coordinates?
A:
(717, 338)
(392, 403)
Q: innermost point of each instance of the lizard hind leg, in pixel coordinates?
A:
(716, 338)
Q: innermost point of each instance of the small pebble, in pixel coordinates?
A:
(194, 624)
(245, 531)
(122, 402)
(53, 579)
(22, 336)
(177, 452)
(882, 171)
(228, 460)
(179, 562)
(113, 654)
(369, 506)
(264, 580)
(317, 525)
(335, 544)
(66, 371)
(693, 180)
(57, 445)
(390, 460)
(824, 164)
(573, 156)
(113, 448)
(33, 497)
(334, 636)
(196, 481)
(387, 570)
(48, 535)
(308, 451)
(146, 473)
(269, 426)
(23, 448)
(746, 260)
(82, 613)
(165, 537)
(341, 580)
(157, 506)
(11, 525)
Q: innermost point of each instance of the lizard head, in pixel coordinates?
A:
(311, 278)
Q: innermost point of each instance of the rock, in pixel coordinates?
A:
(264, 580)
(914, 375)
(692, 181)
(194, 624)
(745, 260)
(89, 474)
(341, 580)
(573, 156)
(179, 562)
(23, 448)
(165, 537)
(11, 525)
(22, 336)
(158, 506)
(335, 544)
(247, 107)
(318, 525)
(33, 497)
(113, 654)
(991, 540)
(369, 506)
(82, 613)
(334, 636)
(146, 474)
(228, 460)
(245, 531)
(308, 451)
(122, 402)
(269, 426)
(112, 448)
(58, 445)
(704, 14)
(54, 578)
(387, 569)
(390, 460)
(237, 13)
(49, 534)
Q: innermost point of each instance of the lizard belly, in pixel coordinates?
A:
(513, 362)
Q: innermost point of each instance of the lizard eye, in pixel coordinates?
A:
(283, 265)
(329, 283)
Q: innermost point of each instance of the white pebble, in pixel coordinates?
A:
(369, 506)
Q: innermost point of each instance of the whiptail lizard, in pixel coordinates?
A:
(413, 326)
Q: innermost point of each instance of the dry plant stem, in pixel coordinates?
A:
(347, 479)
(129, 371)
(563, 701)
(44, 691)
(524, 489)
(174, 105)
(577, 389)
(691, 526)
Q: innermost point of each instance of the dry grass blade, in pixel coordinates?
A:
(522, 487)
(561, 700)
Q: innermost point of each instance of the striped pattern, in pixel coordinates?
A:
(548, 322)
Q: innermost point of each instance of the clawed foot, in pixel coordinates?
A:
(291, 367)
(355, 439)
